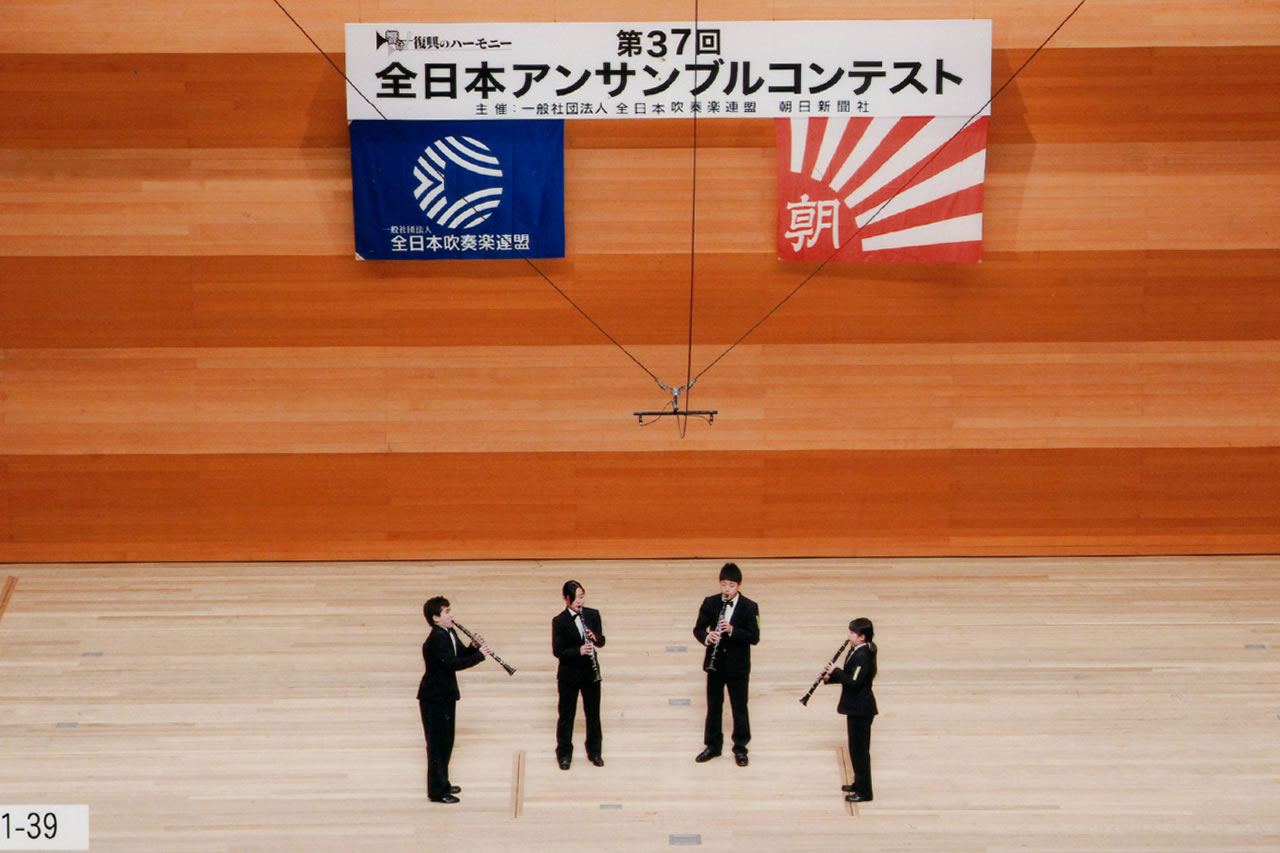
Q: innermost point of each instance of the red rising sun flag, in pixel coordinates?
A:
(881, 189)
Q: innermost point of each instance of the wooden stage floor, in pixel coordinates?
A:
(1026, 704)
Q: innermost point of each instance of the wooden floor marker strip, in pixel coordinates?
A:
(846, 775)
(517, 784)
(9, 583)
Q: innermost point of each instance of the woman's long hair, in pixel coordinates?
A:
(862, 625)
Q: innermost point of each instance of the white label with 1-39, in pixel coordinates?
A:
(44, 827)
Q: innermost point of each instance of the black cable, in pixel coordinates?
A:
(523, 257)
(693, 223)
(658, 417)
(589, 319)
(353, 86)
(896, 193)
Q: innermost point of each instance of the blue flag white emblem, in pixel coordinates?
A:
(425, 190)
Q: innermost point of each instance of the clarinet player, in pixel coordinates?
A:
(857, 704)
(444, 656)
(728, 625)
(576, 633)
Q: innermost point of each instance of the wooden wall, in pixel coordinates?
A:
(193, 367)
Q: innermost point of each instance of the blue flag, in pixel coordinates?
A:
(425, 190)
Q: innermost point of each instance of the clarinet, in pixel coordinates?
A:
(595, 662)
(715, 649)
(511, 670)
(805, 699)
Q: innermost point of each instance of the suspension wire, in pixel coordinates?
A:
(589, 319)
(896, 193)
(342, 73)
(693, 237)
(523, 257)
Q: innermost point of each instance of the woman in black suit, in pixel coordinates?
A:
(858, 704)
(576, 632)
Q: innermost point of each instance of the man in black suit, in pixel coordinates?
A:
(576, 632)
(728, 625)
(438, 693)
(858, 704)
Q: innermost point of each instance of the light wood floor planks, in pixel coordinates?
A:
(1038, 705)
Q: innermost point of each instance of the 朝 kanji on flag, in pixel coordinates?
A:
(881, 189)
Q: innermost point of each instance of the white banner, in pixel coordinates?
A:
(760, 69)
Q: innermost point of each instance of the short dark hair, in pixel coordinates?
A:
(862, 625)
(434, 607)
(731, 572)
(570, 589)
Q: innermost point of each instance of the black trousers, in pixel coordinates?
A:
(713, 733)
(437, 726)
(860, 753)
(568, 710)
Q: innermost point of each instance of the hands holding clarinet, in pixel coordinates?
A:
(723, 629)
(478, 641)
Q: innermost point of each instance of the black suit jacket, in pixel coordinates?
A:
(566, 645)
(440, 681)
(734, 658)
(854, 678)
